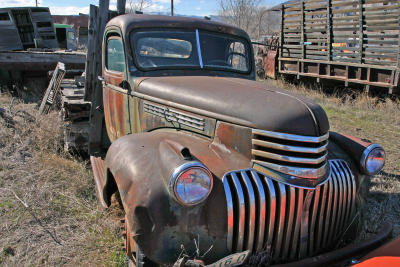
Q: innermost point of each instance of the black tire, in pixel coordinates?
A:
(142, 260)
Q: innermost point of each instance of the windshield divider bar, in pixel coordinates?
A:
(198, 48)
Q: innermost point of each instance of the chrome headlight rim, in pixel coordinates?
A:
(364, 158)
(177, 174)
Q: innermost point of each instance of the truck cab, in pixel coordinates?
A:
(207, 161)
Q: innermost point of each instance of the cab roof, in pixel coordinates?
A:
(130, 22)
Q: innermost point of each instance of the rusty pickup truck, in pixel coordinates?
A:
(208, 162)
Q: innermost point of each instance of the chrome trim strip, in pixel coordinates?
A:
(199, 49)
(296, 233)
(291, 137)
(344, 194)
(353, 190)
(299, 149)
(291, 159)
(328, 220)
(272, 213)
(259, 235)
(229, 203)
(279, 232)
(311, 173)
(347, 195)
(251, 221)
(241, 210)
(287, 241)
(315, 208)
(322, 218)
(334, 208)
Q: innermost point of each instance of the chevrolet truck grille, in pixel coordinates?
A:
(301, 156)
(286, 221)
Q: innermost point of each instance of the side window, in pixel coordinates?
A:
(115, 59)
(237, 56)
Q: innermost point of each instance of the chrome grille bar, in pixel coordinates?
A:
(301, 156)
(289, 222)
(299, 149)
(261, 218)
(292, 159)
(292, 137)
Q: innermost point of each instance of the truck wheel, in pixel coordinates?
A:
(132, 256)
(142, 260)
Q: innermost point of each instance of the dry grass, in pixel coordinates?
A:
(379, 121)
(61, 224)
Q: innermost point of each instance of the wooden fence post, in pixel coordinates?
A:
(93, 87)
(121, 7)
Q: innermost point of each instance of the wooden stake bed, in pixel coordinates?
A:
(351, 41)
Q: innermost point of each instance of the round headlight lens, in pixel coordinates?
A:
(373, 159)
(193, 185)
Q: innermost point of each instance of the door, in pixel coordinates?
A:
(71, 39)
(115, 93)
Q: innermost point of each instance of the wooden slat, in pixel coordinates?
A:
(344, 3)
(341, 11)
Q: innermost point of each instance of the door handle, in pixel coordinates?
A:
(101, 79)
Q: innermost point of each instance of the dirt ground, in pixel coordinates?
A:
(48, 208)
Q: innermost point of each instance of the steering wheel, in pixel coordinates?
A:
(231, 54)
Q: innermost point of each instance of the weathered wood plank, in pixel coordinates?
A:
(52, 89)
(40, 61)
(121, 7)
(96, 114)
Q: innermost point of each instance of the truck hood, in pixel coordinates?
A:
(240, 101)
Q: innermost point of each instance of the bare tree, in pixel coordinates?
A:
(137, 5)
(249, 15)
(240, 13)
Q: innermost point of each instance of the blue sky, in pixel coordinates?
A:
(183, 7)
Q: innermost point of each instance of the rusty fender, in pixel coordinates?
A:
(141, 165)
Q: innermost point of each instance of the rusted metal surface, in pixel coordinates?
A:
(184, 116)
(159, 156)
(98, 168)
(391, 249)
(270, 64)
(226, 103)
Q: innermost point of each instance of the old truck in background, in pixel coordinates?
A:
(353, 42)
(207, 161)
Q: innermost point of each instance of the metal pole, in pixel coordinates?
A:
(36, 3)
(172, 7)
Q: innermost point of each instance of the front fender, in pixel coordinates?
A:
(141, 165)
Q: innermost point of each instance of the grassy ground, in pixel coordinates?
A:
(374, 119)
(48, 206)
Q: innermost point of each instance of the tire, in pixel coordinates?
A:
(142, 260)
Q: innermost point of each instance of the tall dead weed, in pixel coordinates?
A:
(48, 207)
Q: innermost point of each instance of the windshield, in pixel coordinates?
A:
(190, 49)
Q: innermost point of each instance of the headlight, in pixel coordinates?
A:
(191, 183)
(373, 159)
